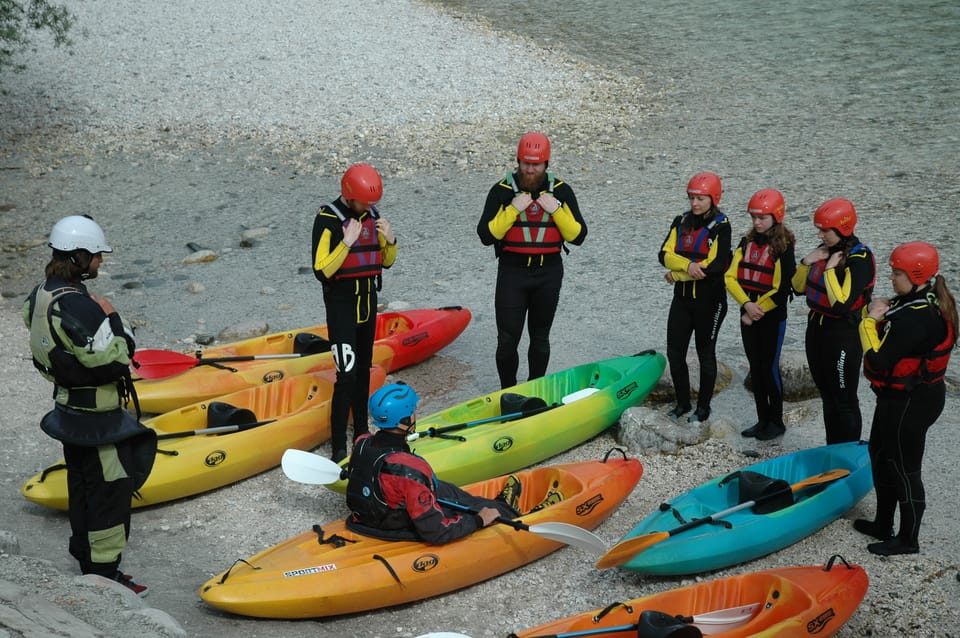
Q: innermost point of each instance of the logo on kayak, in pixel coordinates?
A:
(627, 390)
(818, 624)
(273, 375)
(426, 562)
(413, 340)
(306, 571)
(503, 444)
(583, 509)
(215, 458)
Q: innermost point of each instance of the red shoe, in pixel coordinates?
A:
(126, 581)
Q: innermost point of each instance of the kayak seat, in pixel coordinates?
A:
(511, 402)
(769, 494)
(657, 624)
(220, 413)
(309, 343)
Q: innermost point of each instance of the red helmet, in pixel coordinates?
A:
(534, 148)
(362, 183)
(918, 259)
(838, 214)
(706, 184)
(769, 201)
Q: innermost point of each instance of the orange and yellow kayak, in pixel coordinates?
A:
(332, 570)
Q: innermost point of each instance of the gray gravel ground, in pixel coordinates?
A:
(172, 126)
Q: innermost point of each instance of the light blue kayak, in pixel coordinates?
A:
(744, 534)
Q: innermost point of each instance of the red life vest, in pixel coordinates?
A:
(365, 258)
(816, 293)
(909, 372)
(756, 268)
(695, 244)
(534, 232)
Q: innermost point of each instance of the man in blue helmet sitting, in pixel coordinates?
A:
(393, 493)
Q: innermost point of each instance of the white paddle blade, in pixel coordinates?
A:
(579, 394)
(722, 620)
(571, 535)
(306, 467)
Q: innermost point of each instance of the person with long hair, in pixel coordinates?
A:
(837, 278)
(759, 281)
(907, 342)
(696, 253)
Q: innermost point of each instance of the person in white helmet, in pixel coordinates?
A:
(80, 344)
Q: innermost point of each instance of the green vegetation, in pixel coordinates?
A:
(20, 19)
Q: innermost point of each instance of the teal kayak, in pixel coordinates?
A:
(779, 517)
(479, 439)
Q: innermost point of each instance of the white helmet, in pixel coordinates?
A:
(78, 232)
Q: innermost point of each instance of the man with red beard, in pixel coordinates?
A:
(527, 217)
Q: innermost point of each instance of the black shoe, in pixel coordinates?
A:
(771, 431)
(699, 415)
(753, 429)
(338, 455)
(873, 529)
(892, 547)
(126, 581)
(678, 411)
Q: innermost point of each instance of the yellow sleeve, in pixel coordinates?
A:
(799, 280)
(388, 251)
(730, 279)
(329, 261)
(765, 301)
(566, 223)
(502, 221)
(837, 292)
(677, 264)
(869, 339)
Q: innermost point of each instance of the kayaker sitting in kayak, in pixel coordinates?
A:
(393, 493)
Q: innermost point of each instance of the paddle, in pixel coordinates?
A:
(560, 532)
(709, 623)
(624, 551)
(306, 467)
(570, 398)
(222, 429)
(159, 364)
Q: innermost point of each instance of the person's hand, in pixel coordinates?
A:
(696, 271)
(878, 307)
(104, 304)
(383, 226)
(668, 277)
(746, 320)
(351, 232)
(549, 203)
(834, 260)
(522, 201)
(753, 310)
(817, 254)
(489, 515)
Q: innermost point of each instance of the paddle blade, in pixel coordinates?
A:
(579, 394)
(823, 477)
(159, 364)
(306, 467)
(571, 535)
(624, 551)
(721, 620)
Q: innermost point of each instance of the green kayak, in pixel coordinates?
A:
(511, 429)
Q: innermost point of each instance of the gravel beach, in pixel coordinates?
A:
(173, 126)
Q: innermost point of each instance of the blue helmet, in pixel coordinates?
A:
(392, 403)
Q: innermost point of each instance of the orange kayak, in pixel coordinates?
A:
(402, 339)
(332, 570)
(785, 602)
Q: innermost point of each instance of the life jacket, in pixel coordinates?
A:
(365, 496)
(909, 372)
(365, 258)
(57, 363)
(756, 269)
(695, 244)
(534, 232)
(816, 293)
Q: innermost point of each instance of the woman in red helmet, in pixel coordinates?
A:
(527, 217)
(759, 280)
(907, 341)
(352, 243)
(696, 253)
(837, 278)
